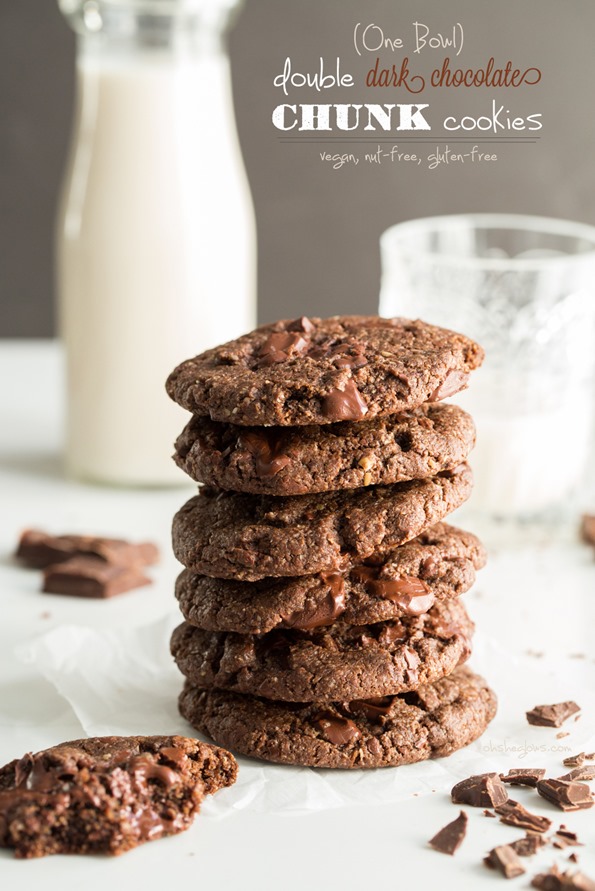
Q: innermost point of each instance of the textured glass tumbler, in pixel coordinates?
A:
(524, 288)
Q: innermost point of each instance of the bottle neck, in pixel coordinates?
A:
(163, 28)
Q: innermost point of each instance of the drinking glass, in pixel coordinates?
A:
(524, 288)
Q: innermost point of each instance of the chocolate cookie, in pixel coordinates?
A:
(319, 371)
(292, 461)
(437, 565)
(250, 537)
(107, 794)
(342, 661)
(433, 722)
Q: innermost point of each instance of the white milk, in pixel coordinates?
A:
(156, 254)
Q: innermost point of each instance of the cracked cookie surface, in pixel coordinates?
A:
(251, 537)
(437, 565)
(320, 371)
(341, 661)
(292, 461)
(433, 722)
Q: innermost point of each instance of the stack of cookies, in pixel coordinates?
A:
(323, 624)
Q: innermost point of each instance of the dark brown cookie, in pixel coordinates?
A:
(292, 461)
(437, 565)
(433, 722)
(339, 662)
(107, 794)
(318, 371)
(250, 537)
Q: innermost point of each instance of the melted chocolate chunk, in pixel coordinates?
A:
(454, 382)
(268, 455)
(450, 837)
(482, 790)
(552, 715)
(281, 346)
(373, 709)
(323, 613)
(568, 796)
(336, 730)
(344, 405)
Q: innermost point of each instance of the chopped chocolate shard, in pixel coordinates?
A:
(450, 837)
(554, 880)
(483, 790)
(575, 760)
(529, 845)
(552, 715)
(505, 859)
(528, 776)
(586, 772)
(91, 577)
(487, 813)
(514, 814)
(588, 529)
(562, 735)
(38, 549)
(567, 795)
(573, 858)
(564, 838)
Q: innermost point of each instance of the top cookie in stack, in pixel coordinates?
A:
(317, 569)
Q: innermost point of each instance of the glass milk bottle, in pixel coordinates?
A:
(156, 235)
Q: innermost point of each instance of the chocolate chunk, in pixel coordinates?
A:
(573, 858)
(554, 880)
(344, 405)
(336, 730)
(586, 772)
(568, 796)
(454, 382)
(588, 529)
(324, 612)
(281, 346)
(529, 845)
(552, 715)
(505, 859)
(373, 709)
(38, 549)
(575, 760)
(450, 837)
(564, 838)
(528, 776)
(91, 577)
(487, 813)
(483, 790)
(268, 455)
(514, 814)
(302, 324)
(412, 595)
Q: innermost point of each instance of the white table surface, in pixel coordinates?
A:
(537, 594)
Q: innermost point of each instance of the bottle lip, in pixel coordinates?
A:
(148, 7)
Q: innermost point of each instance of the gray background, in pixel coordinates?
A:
(318, 228)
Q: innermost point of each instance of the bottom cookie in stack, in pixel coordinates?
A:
(434, 721)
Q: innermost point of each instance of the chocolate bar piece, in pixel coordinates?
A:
(91, 577)
(38, 549)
